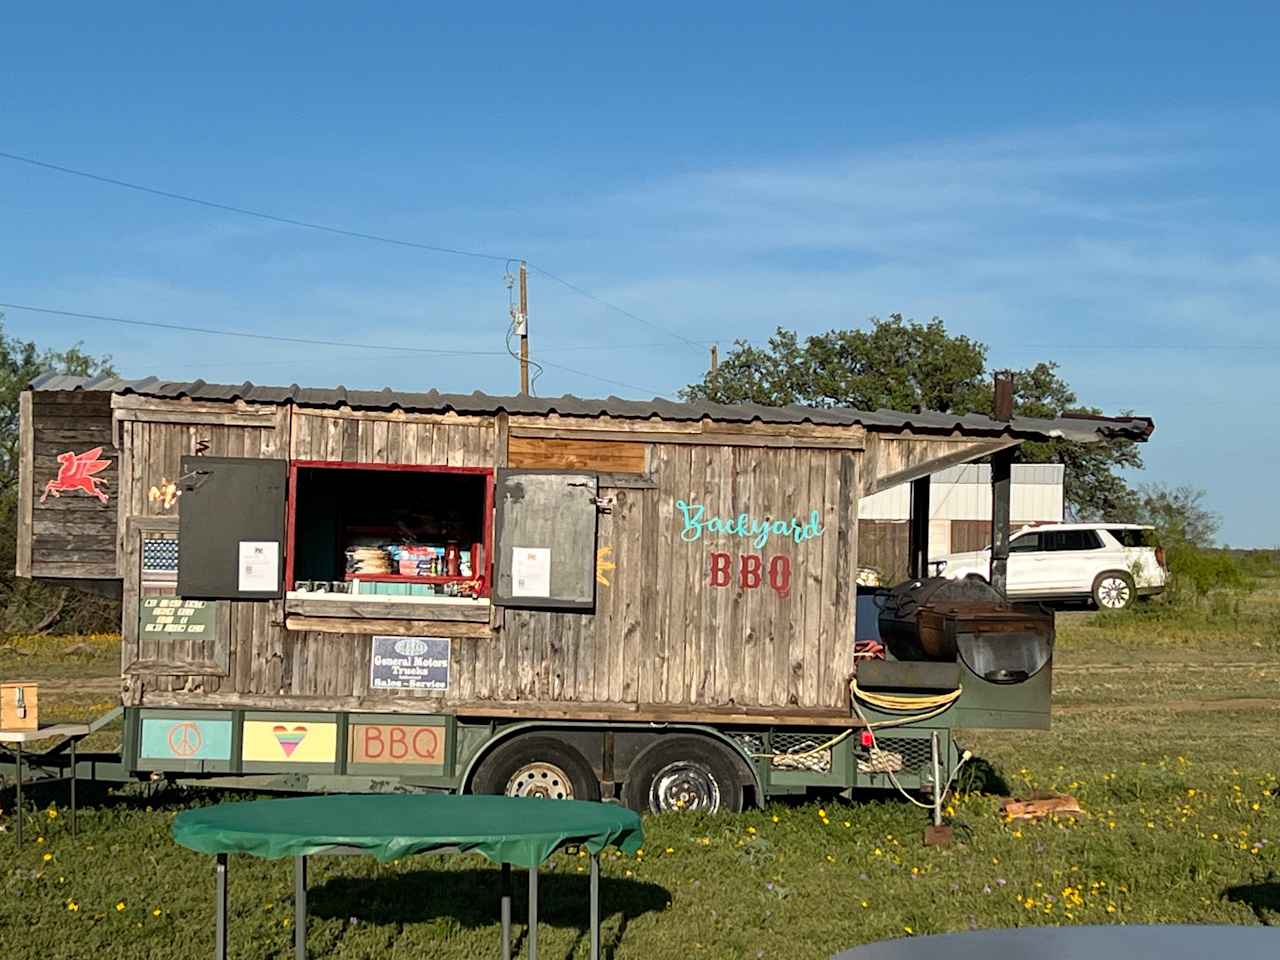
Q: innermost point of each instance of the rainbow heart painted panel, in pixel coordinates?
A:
(290, 741)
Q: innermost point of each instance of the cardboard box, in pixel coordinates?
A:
(18, 706)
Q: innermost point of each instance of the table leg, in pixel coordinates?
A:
(300, 908)
(220, 909)
(506, 911)
(533, 913)
(73, 789)
(18, 811)
(595, 907)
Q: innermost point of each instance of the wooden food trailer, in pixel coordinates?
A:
(370, 590)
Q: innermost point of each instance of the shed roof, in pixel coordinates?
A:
(1079, 428)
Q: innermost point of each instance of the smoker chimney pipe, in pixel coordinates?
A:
(1001, 482)
(1003, 395)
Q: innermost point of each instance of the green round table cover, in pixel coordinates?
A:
(523, 832)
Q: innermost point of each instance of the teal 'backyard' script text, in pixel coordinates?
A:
(759, 530)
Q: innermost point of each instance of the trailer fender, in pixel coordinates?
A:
(529, 726)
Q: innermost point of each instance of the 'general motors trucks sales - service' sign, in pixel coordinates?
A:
(409, 663)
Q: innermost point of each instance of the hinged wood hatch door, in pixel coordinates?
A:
(545, 539)
(231, 527)
(69, 482)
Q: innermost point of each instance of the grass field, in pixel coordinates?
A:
(1165, 729)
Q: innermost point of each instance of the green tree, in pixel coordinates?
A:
(28, 605)
(901, 364)
(1179, 514)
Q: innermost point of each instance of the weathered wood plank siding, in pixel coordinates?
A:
(770, 633)
(884, 548)
(413, 439)
(662, 633)
(152, 451)
(71, 534)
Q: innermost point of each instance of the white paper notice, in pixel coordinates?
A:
(531, 571)
(259, 566)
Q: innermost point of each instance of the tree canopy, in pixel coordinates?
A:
(902, 364)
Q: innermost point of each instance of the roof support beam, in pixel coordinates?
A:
(894, 460)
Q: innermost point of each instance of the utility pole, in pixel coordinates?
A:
(522, 328)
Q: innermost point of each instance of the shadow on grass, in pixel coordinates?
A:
(471, 898)
(1262, 898)
(980, 775)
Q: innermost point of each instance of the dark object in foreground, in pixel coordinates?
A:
(1166, 942)
(507, 830)
(938, 836)
(936, 619)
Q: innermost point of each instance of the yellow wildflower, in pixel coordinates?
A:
(119, 906)
(47, 857)
(907, 930)
(73, 906)
(775, 818)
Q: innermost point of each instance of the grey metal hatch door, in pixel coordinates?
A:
(545, 539)
(231, 526)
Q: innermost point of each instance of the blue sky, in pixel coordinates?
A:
(1094, 187)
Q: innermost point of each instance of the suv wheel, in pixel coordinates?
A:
(1114, 590)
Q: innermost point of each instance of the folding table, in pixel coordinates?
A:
(68, 731)
(510, 831)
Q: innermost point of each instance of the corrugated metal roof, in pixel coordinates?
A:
(1081, 429)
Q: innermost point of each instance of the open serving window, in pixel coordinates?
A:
(393, 532)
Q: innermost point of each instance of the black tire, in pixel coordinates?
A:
(685, 773)
(536, 766)
(1114, 590)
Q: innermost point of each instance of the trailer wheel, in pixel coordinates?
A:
(536, 766)
(684, 773)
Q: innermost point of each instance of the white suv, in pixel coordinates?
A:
(1111, 564)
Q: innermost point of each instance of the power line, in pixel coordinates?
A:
(342, 232)
(697, 345)
(211, 331)
(309, 341)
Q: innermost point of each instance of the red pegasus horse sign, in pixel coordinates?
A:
(77, 471)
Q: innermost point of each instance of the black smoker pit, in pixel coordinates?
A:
(942, 620)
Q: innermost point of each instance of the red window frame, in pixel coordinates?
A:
(485, 576)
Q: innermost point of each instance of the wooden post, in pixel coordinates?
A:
(918, 530)
(715, 359)
(1001, 479)
(523, 326)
